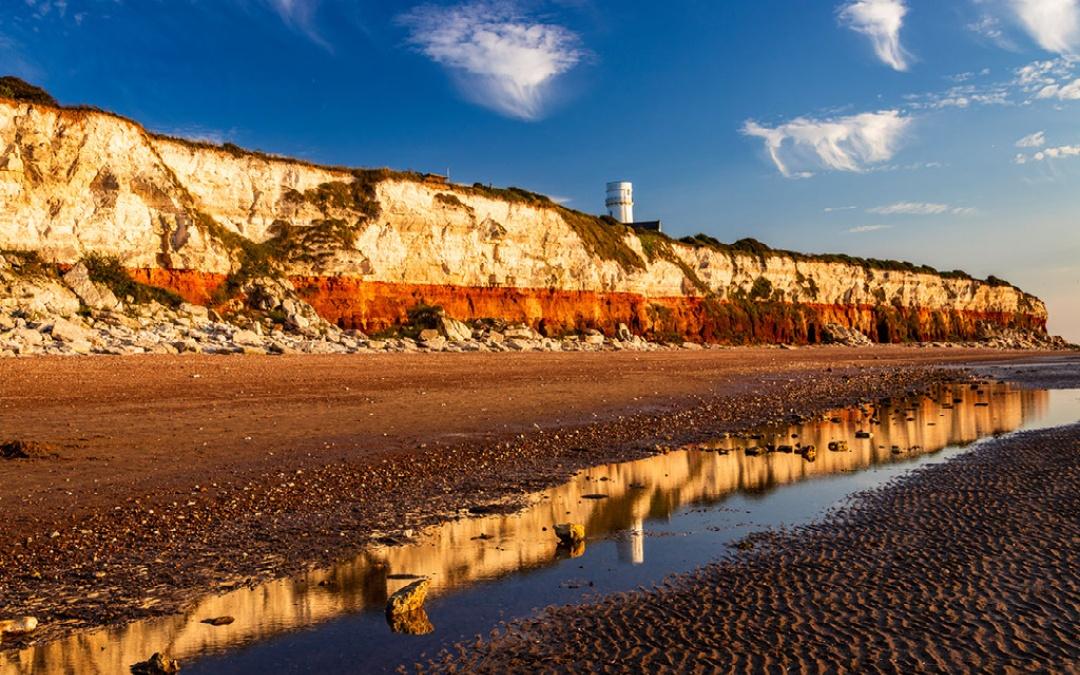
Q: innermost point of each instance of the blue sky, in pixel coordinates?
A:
(944, 133)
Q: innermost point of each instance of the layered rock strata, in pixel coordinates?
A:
(364, 247)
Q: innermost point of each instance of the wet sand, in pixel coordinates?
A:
(969, 565)
(177, 476)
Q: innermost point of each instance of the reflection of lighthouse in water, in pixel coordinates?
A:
(631, 547)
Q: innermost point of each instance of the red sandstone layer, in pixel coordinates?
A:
(375, 305)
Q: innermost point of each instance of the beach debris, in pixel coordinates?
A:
(808, 452)
(158, 664)
(838, 446)
(219, 620)
(570, 534)
(26, 450)
(863, 434)
(595, 496)
(408, 599)
(19, 626)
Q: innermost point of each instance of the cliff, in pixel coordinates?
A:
(364, 246)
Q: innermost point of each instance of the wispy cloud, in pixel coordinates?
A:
(300, 16)
(501, 58)
(1035, 140)
(1053, 24)
(990, 27)
(851, 143)
(1059, 152)
(881, 21)
(921, 209)
(862, 229)
(833, 209)
(43, 8)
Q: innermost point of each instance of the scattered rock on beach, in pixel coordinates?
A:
(219, 620)
(570, 534)
(408, 599)
(26, 450)
(158, 664)
(20, 626)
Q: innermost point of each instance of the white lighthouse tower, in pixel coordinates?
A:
(620, 201)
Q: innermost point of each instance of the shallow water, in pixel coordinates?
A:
(661, 515)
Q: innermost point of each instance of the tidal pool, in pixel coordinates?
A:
(645, 520)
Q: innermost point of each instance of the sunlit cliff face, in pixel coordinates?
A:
(79, 182)
(466, 550)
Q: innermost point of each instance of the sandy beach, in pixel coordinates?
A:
(163, 478)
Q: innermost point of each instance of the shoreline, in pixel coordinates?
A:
(275, 515)
(969, 563)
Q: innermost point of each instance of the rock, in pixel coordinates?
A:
(834, 333)
(246, 337)
(435, 344)
(428, 334)
(69, 331)
(521, 332)
(596, 338)
(19, 626)
(219, 620)
(838, 446)
(408, 599)
(454, 330)
(863, 434)
(93, 295)
(521, 345)
(570, 534)
(186, 346)
(623, 333)
(27, 336)
(693, 346)
(158, 664)
(195, 311)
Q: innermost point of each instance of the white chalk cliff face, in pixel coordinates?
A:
(74, 182)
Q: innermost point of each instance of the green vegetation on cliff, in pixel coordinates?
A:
(19, 90)
(110, 272)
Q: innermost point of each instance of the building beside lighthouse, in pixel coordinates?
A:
(620, 206)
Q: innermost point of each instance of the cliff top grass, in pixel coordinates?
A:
(602, 236)
(750, 246)
(19, 90)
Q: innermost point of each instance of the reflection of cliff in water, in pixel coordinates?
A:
(470, 549)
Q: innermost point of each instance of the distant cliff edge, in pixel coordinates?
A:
(363, 247)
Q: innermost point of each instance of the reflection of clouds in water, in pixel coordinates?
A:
(453, 555)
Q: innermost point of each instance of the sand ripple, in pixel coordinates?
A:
(968, 565)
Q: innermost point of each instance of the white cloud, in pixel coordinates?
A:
(1060, 152)
(881, 21)
(1053, 24)
(851, 143)
(1035, 140)
(921, 209)
(501, 58)
(861, 229)
(831, 209)
(1069, 91)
